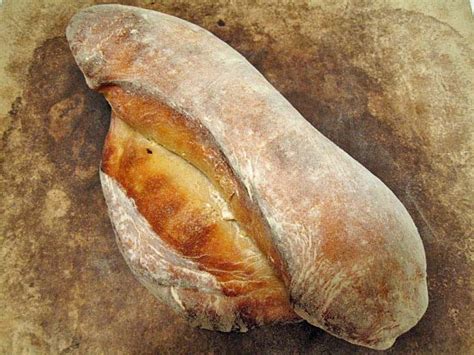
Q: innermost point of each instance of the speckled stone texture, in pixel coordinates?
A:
(392, 84)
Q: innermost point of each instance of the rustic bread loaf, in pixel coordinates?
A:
(227, 204)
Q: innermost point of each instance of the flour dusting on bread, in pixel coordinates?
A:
(345, 247)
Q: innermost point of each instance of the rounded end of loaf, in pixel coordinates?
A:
(361, 329)
(87, 31)
(356, 260)
(370, 285)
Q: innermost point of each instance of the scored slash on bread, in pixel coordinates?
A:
(226, 203)
(214, 273)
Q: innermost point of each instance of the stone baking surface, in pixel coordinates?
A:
(389, 82)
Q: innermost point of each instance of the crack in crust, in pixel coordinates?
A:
(193, 142)
(173, 229)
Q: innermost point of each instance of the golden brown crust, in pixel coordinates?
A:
(193, 142)
(160, 183)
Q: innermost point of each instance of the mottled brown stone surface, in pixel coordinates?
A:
(392, 84)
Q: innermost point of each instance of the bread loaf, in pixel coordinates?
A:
(227, 204)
